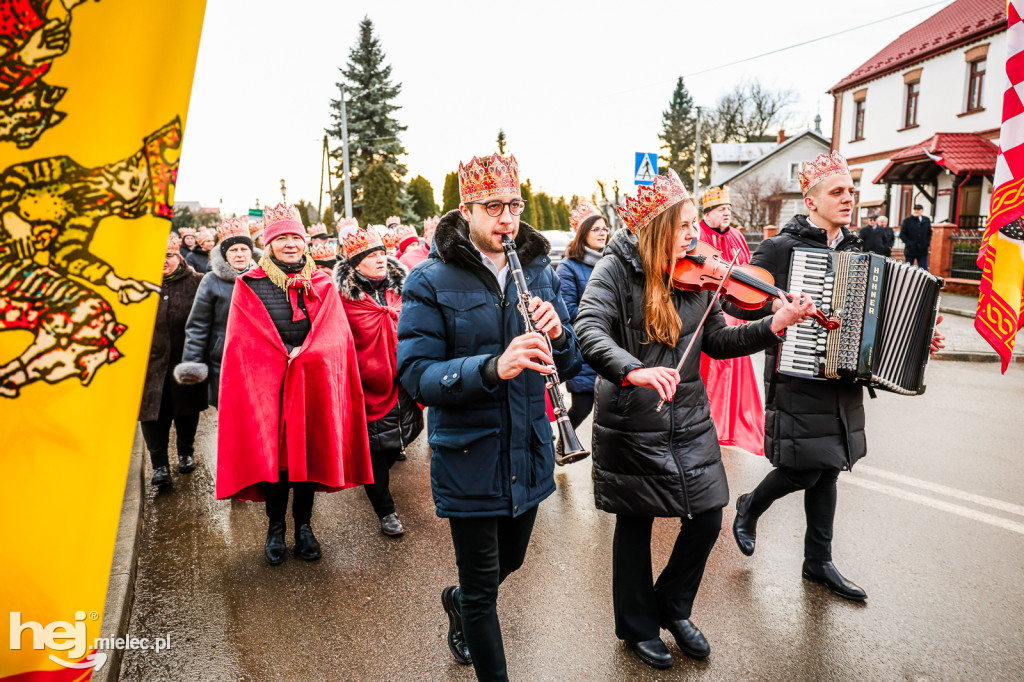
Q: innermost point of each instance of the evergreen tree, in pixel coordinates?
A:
(545, 214)
(450, 196)
(530, 213)
(182, 218)
(305, 211)
(501, 141)
(422, 195)
(328, 219)
(373, 130)
(380, 195)
(679, 133)
(562, 214)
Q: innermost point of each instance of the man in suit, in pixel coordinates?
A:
(916, 233)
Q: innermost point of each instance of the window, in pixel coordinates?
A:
(975, 84)
(910, 111)
(906, 201)
(858, 120)
(794, 170)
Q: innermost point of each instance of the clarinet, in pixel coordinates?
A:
(572, 449)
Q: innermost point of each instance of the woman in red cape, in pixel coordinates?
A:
(731, 384)
(291, 404)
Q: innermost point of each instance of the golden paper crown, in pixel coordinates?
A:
(205, 233)
(186, 232)
(281, 212)
(662, 194)
(483, 179)
(405, 232)
(430, 224)
(255, 228)
(318, 228)
(347, 224)
(583, 210)
(173, 243)
(715, 196)
(233, 227)
(822, 167)
(356, 241)
(324, 250)
(387, 236)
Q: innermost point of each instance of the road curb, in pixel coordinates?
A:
(973, 356)
(117, 610)
(959, 312)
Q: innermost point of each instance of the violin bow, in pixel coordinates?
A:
(689, 346)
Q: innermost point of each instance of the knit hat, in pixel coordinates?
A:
(406, 236)
(281, 219)
(233, 231)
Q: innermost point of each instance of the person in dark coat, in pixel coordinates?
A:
(370, 285)
(634, 329)
(877, 238)
(581, 255)
(199, 256)
(813, 429)
(463, 352)
(916, 234)
(207, 324)
(163, 400)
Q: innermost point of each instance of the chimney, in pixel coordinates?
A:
(781, 137)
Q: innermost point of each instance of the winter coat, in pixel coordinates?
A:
(878, 239)
(165, 353)
(198, 259)
(575, 275)
(302, 412)
(916, 234)
(809, 424)
(393, 418)
(490, 438)
(649, 463)
(207, 326)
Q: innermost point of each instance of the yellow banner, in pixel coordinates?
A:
(93, 98)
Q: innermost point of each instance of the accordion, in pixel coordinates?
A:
(887, 311)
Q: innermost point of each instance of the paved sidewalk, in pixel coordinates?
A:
(963, 342)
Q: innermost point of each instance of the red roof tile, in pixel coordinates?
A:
(959, 23)
(961, 152)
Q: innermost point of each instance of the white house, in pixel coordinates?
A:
(729, 157)
(919, 122)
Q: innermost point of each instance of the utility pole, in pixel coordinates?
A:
(696, 161)
(344, 155)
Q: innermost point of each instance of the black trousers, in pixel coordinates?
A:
(487, 550)
(379, 492)
(582, 404)
(641, 604)
(157, 434)
(819, 486)
(277, 500)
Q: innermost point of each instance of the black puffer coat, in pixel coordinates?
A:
(198, 259)
(649, 463)
(176, 298)
(808, 424)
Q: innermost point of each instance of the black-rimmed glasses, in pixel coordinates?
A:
(496, 208)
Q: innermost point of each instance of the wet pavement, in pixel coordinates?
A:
(931, 524)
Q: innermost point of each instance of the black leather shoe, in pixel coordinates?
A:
(744, 526)
(456, 639)
(824, 573)
(161, 476)
(305, 543)
(653, 652)
(186, 464)
(274, 549)
(689, 638)
(391, 525)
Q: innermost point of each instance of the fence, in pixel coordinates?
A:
(963, 252)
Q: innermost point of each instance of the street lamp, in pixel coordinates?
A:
(284, 189)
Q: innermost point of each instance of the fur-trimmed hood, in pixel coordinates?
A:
(453, 232)
(348, 286)
(221, 268)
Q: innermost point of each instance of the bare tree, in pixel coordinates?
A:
(749, 112)
(757, 200)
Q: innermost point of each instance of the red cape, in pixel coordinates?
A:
(304, 414)
(731, 384)
(375, 330)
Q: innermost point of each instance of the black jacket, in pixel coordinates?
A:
(649, 463)
(809, 424)
(916, 234)
(878, 239)
(198, 259)
(278, 305)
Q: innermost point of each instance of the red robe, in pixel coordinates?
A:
(375, 330)
(304, 414)
(736, 405)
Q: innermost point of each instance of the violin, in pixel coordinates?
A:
(748, 287)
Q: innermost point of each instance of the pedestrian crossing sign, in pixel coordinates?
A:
(646, 168)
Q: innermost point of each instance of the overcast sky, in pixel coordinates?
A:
(581, 86)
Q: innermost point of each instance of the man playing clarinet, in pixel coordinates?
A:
(463, 352)
(813, 429)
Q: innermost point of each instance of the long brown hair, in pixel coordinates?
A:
(575, 248)
(657, 255)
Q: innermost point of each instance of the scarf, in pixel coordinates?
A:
(590, 256)
(291, 278)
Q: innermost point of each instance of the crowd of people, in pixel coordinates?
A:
(321, 352)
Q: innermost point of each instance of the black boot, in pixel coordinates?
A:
(306, 544)
(456, 639)
(824, 573)
(744, 527)
(161, 476)
(689, 638)
(275, 549)
(391, 525)
(186, 464)
(653, 652)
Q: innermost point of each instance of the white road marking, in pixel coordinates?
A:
(927, 501)
(943, 490)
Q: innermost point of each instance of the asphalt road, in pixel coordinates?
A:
(931, 524)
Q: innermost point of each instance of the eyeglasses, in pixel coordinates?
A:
(599, 230)
(496, 208)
